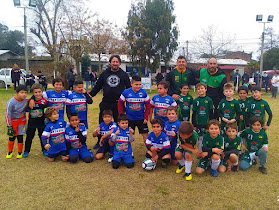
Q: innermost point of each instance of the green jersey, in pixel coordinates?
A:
(228, 110)
(184, 106)
(209, 142)
(230, 144)
(202, 106)
(191, 140)
(254, 141)
(258, 108)
(243, 105)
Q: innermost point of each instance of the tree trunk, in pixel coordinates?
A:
(99, 63)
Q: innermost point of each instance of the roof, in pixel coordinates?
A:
(221, 67)
(237, 62)
(2, 52)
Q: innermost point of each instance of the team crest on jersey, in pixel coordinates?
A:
(113, 80)
(167, 101)
(206, 102)
(140, 95)
(63, 95)
(61, 124)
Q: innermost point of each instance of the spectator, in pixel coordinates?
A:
(265, 79)
(30, 79)
(236, 78)
(148, 74)
(71, 77)
(93, 79)
(245, 78)
(257, 77)
(87, 78)
(15, 75)
(275, 84)
(159, 77)
(42, 80)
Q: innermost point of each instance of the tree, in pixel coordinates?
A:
(151, 32)
(212, 43)
(271, 59)
(271, 39)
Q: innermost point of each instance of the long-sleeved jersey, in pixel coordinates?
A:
(37, 114)
(15, 110)
(254, 141)
(172, 126)
(122, 143)
(73, 138)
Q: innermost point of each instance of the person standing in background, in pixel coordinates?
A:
(265, 79)
(15, 75)
(159, 77)
(87, 78)
(71, 77)
(42, 80)
(245, 78)
(93, 78)
(275, 84)
(236, 78)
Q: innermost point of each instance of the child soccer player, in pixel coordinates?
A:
(212, 147)
(77, 102)
(158, 144)
(243, 103)
(161, 102)
(105, 129)
(229, 109)
(136, 99)
(121, 139)
(184, 103)
(258, 107)
(16, 120)
(76, 141)
(36, 119)
(256, 145)
(202, 112)
(55, 133)
(231, 149)
(171, 129)
(186, 148)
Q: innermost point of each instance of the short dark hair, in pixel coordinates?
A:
(73, 115)
(115, 56)
(172, 108)
(183, 85)
(49, 111)
(39, 71)
(181, 57)
(165, 84)
(78, 82)
(201, 84)
(57, 80)
(36, 86)
(107, 112)
(122, 117)
(157, 121)
(186, 128)
(136, 78)
(20, 88)
(231, 125)
(243, 88)
(213, 122)
(256, 88)
(256, 119)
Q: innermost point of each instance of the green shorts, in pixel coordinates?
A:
(203, 163)
(179, 149)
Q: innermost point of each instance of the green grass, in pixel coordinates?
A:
(34, 183)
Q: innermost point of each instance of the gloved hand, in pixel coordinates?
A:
(11, 131)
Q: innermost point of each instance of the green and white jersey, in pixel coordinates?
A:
(228, 110)
(258, 108)
(184, 107)
(209, 142)
(191, 140)
(202, 106)
(243, 105)
(254, 141)
(230, 144)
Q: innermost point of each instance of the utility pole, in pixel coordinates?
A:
(25, 42)
(187, 50)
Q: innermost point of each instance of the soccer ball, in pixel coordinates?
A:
(148, 164)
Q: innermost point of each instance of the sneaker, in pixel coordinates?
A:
(9, 155)
(235, 169)
(188, 176)
(164, 165)
(19, 156)
(263, 169)
(45, 153)
(110, 160)
(97, 146)
(214, 173)
(180, 169)
(25, 154)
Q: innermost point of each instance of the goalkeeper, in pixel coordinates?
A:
(16, 120)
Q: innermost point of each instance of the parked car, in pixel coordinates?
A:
(5, 77)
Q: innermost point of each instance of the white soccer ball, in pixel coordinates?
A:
(148, 164)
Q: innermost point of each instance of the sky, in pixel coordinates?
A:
(232, 18)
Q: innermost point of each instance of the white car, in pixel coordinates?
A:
(5, 77)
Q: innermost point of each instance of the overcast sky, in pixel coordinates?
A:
(237, 18)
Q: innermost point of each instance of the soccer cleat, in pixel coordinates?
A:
(263, 169)
(45, 153)
(214, 173)
(19, 156)
(25, 154)
(180, 169)
(110, 160)
(188, 177)
(96, 146)
(164, 165)
(235, 168)
(9, 155)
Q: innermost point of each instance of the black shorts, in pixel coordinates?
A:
(62, 153)
(143, 128)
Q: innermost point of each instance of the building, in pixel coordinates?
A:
(7, 55)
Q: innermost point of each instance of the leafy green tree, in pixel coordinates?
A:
(271, 59)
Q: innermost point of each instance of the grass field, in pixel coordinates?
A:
(34, 183)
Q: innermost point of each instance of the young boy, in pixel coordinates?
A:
(158, 144)
(256, 145)
(161, 102)
(184, 103)
(136, 99)
(202, 112)
(231, 149)
(105, 129)
(36, 119)
(121, 139)
(76, 141)
(186, 148)
(171, 129)
(55, 133)
(16, 120)
(77, 102)
(212, 147)
(258, 107)
(229, 109)
(243, 103)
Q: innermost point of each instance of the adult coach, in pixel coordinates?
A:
(215, 79)
(113, 81)
(180, 75)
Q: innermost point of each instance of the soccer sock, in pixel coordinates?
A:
(19, 147)
(200, 143)
(188, 166)
(235, 164)
(11, 146)
(215, 164)
(181, 162)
